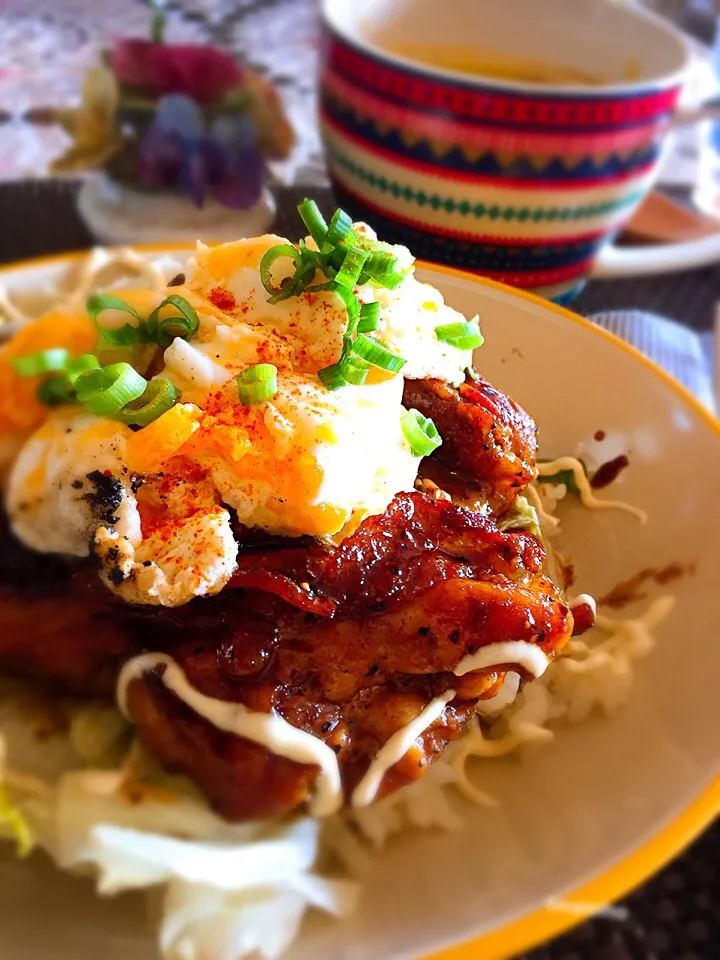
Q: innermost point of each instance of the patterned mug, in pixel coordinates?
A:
(524, 181)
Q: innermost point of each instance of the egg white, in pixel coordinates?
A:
(308, 461)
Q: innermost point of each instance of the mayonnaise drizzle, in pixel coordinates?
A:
(525, 654)
(587, 496)
(583, 600)
(395, 749)
(269, 730)
(546, 519)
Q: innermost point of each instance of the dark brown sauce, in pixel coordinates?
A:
(633, 589)
(599, 435)
(608, 472)
(583, 618)
(567, 573)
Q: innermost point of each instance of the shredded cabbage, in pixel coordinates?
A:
(523, 516)
(230, 891)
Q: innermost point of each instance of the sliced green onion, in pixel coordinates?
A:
(354, 370)
(120, 336)
(379, 262)
(81, 364)
(472, 373)
(464, 335)
(54, 390)
(91, 381)
(369, 317)
(159, 396)
(311, 259)
(382, 268)
(287, 286)
(376, 354)
(332, 376)
(314, 221)
(107, 390)
(348, 298)
(341, 227)
(352, 265)
(44, 361)
(163, 332)
(257, 383)
(420, 432)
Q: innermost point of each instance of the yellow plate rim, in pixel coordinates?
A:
(544, 924)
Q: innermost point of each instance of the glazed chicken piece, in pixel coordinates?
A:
(349, 643)
(488, 439)
(364, 637)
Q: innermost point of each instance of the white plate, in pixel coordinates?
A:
(612, 799)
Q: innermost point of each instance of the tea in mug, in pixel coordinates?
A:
(478, 63)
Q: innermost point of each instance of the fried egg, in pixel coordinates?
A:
(309, 461)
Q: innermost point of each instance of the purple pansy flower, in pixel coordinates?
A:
(178, 150)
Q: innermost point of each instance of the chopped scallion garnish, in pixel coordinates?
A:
(150, 330)
(420, 432)
(341, 227)
(159, 396)
(354, 370)
(287, 286)
(353, 262)
(332, 376)
(347, 259)
(369, 317)
(164, 331)
(382, 269)
(125, 336)
(107, 390)
(257, 383)
(54, 390)
(314, 221)
(376, 354)
(44, 361)
(80, 365)
(464, 335)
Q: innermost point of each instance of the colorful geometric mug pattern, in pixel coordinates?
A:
(518, 185)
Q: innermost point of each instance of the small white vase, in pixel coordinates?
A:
(117, 214)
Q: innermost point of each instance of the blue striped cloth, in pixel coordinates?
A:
(685, 354)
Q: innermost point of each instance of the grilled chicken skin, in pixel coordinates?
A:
(408, 596)
(488, 440)
(347, 643)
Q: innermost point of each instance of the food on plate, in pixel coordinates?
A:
(273, 512)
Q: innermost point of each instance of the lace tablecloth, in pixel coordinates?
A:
(47, 45)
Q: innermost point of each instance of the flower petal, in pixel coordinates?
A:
(192, 178)
(160, 157)
(242, 186)
(202, 72)
(179, 114)
(236, 132)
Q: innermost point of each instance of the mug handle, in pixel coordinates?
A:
(647, 261)
(708, 110)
